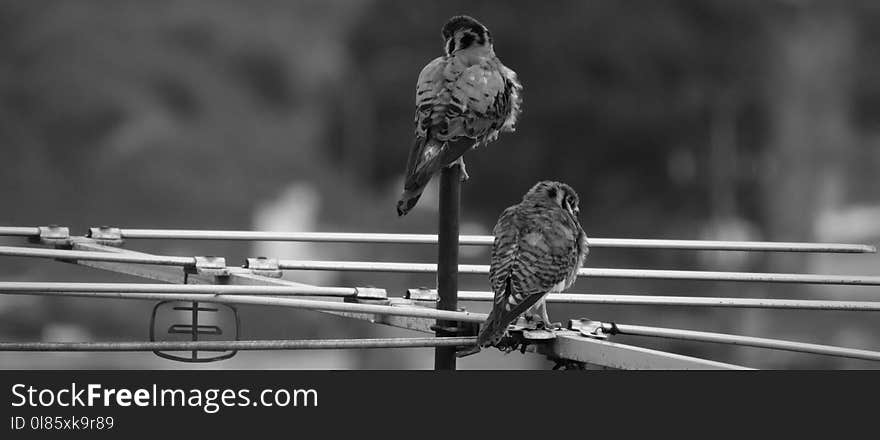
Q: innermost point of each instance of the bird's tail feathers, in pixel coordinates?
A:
(427, 156)
(423, 162)
(491, 332)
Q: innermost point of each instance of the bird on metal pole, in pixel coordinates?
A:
(539, 247)
(463, 100)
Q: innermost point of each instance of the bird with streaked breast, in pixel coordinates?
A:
(539, 247)
(463, 100)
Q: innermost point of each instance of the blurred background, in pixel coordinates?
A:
(749, 120)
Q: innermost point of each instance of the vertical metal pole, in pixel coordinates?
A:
(447, 259)
(195, 328)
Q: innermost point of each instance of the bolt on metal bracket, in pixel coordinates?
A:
(422, 294)
(210, 266)
(52, 235)
(106, 235)
(372, 293)
(530, 331)
(267, 267)
(426, 297)
(589, 328)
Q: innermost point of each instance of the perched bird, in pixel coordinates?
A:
(539, 247)
(463, 100)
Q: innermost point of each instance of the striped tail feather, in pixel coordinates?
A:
(490, 334)
(427, 156)
(423, 162)
(492, 331)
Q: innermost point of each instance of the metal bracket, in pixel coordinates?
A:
(211, 266)
(53, 235)
(371, 293)
(267, 267)
(529, 331)
(589, 328)
(106, 235)
(426, 297)
(422, 294)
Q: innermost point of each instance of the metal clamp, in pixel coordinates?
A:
(590, 328)
(267, 267)
(106, 235)
(422, 294)
(529, 331)
(371, 293)
(53, 235)
(426, 297)
(210, 266)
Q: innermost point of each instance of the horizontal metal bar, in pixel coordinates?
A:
(296, 303)
(776, 344)
(63, 254)
(593, 272)
(486, 240)
(19, 231)
(720, 245)
(756, 277)
(42, 287)
(690, 301)
(300, 344)
(621, 356)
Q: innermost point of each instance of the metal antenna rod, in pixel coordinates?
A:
(279, 344)
(596, 272)
(447, 259)
(467, 240)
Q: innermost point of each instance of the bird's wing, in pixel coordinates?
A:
(505, 249)
(458, 106)
(583, 249)
(479, 103)
(514, 93)
(431, 95)
(437, 113)
(533, 254)
(454, 100)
